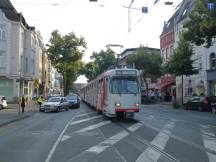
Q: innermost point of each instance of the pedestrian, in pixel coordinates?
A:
(23, 103)
(40, 101)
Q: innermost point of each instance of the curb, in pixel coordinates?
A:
(14, 120)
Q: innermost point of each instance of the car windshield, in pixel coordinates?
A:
(54, 99)
(71, 97)
(126, 85)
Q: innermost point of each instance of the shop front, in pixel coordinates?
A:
(211, 78)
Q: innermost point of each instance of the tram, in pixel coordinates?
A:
(115, 93)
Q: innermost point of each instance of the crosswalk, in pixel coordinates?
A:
(153, 151)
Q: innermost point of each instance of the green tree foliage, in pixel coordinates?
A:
(180, 62)
(201, 25)
(101, 62)
(65, 56)
(147, 61)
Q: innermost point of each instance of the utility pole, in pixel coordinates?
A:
(129, 15)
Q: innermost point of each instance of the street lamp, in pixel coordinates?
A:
(20, 84)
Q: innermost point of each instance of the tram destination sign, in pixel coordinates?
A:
(126, 72)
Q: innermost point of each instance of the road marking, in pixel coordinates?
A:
(84, 120)
(65, 137)
(102, 146)
(58, 140)
(209, 140)
(85, 114)
(160, 141)
(91, 127)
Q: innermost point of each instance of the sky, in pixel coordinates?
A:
(100, 23)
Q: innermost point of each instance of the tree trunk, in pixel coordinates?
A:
(182, 91)
(65, 83)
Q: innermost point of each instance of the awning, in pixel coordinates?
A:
(167, 81)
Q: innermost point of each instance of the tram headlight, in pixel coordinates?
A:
(117, 104)
(137, 104)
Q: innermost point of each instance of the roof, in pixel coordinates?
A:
(184, 8)
(11, 13)
(135, 49)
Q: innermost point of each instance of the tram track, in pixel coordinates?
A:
(147, 143)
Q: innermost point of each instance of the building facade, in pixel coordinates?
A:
(20, 54)
(203, 83)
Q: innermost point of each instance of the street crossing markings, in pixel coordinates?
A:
(59, 139)
(65, 137)
(81, 115)
(160, 141)
(84, 120)
(209, 140)
(91, 127)
(102, 146)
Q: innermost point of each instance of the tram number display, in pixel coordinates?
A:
(126, 72)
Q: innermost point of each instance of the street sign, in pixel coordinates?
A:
(211, 6)
(144, 9)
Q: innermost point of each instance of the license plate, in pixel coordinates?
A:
(130, 111)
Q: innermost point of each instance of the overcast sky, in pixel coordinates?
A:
(100, 23)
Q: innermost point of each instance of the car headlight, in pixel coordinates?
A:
(117, 104)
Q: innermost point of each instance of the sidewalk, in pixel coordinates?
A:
(10, 114)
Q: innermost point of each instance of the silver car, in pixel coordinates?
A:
(55, 104)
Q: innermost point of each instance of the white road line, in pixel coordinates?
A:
(160, 141)
(84, 120)
(209, 140)
(91, 127)
(65, 137)
(112, 140)
(58, 140)
(102, 146)
(85, 114)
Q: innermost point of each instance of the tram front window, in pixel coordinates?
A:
(128, 85)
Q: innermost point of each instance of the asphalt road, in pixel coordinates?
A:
(156, 134)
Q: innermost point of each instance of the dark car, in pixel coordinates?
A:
(74, 101)
(212, 103)
(200, 103)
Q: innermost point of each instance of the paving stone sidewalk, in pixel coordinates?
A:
(10, 114)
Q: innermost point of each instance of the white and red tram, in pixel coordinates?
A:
(115, 93)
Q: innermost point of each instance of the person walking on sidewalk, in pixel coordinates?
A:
(23, 103)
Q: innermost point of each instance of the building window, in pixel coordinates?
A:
(2, 32)
(212, 61)
(26, 64)
(2, 61)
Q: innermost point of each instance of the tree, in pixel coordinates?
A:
(65, 56)
(201, 25)
(147, 61)
(180, 62)
(102, 61)
(89, 70)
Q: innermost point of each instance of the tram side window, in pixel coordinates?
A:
(99, 86)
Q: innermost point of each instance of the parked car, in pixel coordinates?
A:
(197, 103)
(3, 102)
(55, 104)
(212, 103)
(74, 101)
